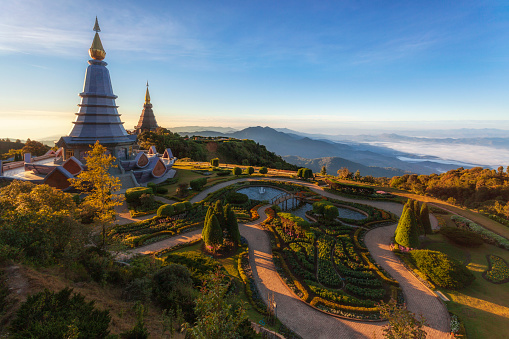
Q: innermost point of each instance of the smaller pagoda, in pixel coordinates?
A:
(147, 120)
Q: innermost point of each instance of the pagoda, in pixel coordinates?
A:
(147, 120)
(97, 118)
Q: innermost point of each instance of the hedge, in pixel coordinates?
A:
(462, 237)
(441, 269)
(166, 210)
(499, 240)
(356, 240)
(132, 195)
(345, 308)
(377, 271)
(237, 198)
(247, 284)
(288, 273)
(197, 184)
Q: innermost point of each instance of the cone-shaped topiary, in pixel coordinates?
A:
(407, 234)
(426, 223)
(405, 207)
(219, 213)
(232, 227)
(212, 234)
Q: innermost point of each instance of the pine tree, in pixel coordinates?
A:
(407, 234)
(417, 215)
(426, 223)
(323, 171)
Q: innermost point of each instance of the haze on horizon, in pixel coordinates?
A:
(322, 67)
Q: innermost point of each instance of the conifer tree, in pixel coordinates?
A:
(212, 234)
(219, 213)
(232, 227)
(426, 223)
(407, 234)
(417, 214)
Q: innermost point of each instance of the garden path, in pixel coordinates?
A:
(300, 317)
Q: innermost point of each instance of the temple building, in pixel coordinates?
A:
(97, 117)
(147, 120)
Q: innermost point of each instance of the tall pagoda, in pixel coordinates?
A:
(147, 120)
(97, 118)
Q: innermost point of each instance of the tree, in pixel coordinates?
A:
(250, 170)
(216, 318)
(323, 171)
(330, 212)
(35, 148)
(407, 234)
(357, 175)
(212, 234)
(263, 170)
(232, 226)
(237, 171)
(214, 162)
(402, 323)
(344, 173)
(99, 186)
(425, 222)
(219, 213)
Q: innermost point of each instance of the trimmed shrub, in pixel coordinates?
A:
(237, 198)
(237, 171)
(250, 170)
(212, 233)
(425, 222)
(197, 184)
(330, 212)
(56, 315)
(232, 227)
(214, 162)
(223, 173)
(161, 190)
(263, 170)
(132, 195)
(462, 237)
(165, 211)
(407, 234)
(441, 269)
(179, 207)
(188, 205)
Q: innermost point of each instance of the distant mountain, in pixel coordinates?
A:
(333, 164)
(196, 129)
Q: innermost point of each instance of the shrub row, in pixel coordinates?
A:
(356, 240)
(349, 310)
(378, 271)
(132, 195)
(168, 210)
(257, 303)
(290, 277)
(368, 293)
(485, 234)
(462, 237)
(338, 296)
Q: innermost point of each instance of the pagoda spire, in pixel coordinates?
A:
(97, 51)
(147, 96)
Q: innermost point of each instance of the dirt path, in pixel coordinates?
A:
(300, 317)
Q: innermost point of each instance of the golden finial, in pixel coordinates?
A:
(97, 51)
(147, 96)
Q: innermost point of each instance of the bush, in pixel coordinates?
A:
(179, 207)
(165, 211)
(132, 195)
(138, 290)
(462, 237)
(214, 162)
(250, 170)
(173, 289)
(237, 171)
(237, 198)
(223, 173)
(263, 170)
(161, 190)
(197, 184)
(407, 234)
(441, 269)
(57, 315)
(330, 212)
(188, 205)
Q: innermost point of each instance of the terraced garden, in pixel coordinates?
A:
(327, 266)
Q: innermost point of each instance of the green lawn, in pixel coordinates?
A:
(483, 306)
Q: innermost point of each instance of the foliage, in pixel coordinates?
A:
(250, 170)
(173, 289)
(56, 315)
(323, 171)
(216, 318)
(441, 269)
(237, 198)
(461, 236)
(139, 331)
(305, 173)
(498, 271)
(197, 184)
(263, 170)
(232, 227)
(166, 210)
(487, 235)
(40, 223)
(402, 323)
(214, 162)
(133, 195)
(330, 212)
(35, 148)
(180, 146)
(99, 186)
(237, 171)
(406, 232)
(425, 222)
(479, 188)
(212, 234)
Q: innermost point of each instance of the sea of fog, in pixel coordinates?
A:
(457, 154)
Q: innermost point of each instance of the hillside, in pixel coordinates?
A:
(333, 164)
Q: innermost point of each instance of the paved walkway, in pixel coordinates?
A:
(300, 317)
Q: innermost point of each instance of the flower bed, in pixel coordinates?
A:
(487, 235)
(498, 270)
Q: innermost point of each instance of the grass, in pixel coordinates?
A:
(483, 306)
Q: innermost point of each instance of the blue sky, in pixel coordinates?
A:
(316, 66)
